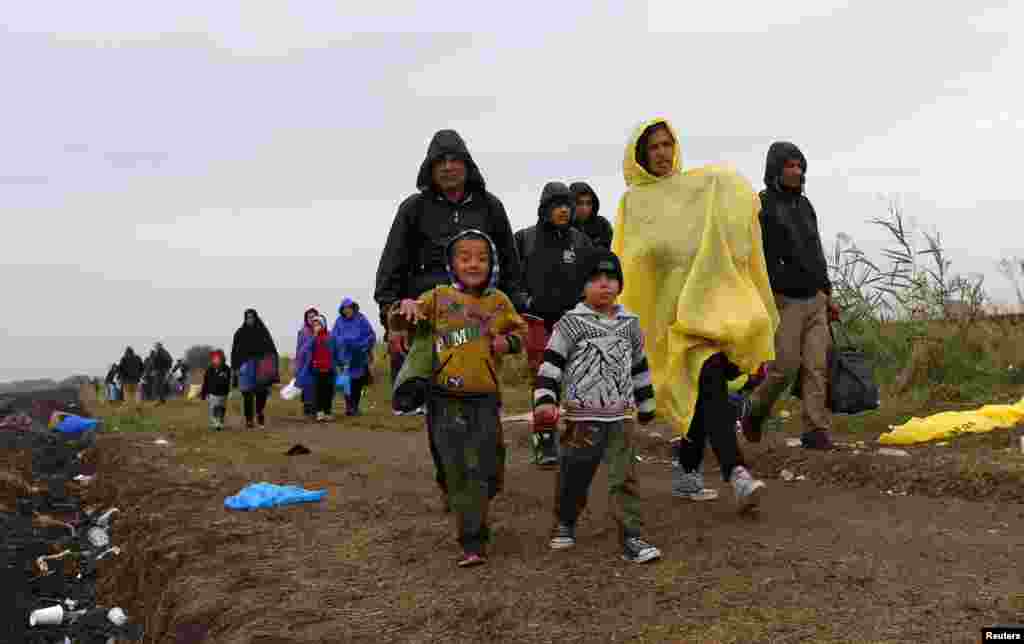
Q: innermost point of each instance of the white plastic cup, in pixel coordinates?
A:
(50, 616)
(117, 616)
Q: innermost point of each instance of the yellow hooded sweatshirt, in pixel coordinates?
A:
(694, 271)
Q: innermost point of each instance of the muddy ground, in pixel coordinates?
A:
(838, 557)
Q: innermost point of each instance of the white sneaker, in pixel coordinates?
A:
(748, 489)
(690, 486)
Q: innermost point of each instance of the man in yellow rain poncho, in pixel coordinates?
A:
(695, 273)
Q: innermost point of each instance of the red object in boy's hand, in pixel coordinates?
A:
(545, 416)
(499, 345)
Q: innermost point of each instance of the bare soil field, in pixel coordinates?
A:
(857, 547)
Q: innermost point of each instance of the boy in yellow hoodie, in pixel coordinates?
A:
(472, 326)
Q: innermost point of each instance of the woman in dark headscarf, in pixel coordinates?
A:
(251, 347)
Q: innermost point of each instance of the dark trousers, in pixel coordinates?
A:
(584, 445)
(257, 399)
(323, 391)
(465, 436)
(714, 419)
(498, 480)
(353, 399)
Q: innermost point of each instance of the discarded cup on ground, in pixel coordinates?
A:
(117, 616)
(98, 537)
(47, 616)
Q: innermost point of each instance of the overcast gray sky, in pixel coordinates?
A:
(166, 165)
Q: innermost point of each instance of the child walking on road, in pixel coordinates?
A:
(596, 353)
(473, 325)
(216, 388)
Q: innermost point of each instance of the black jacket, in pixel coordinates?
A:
(414, 259)
(130, 368)
(216, 381)
(161, 360)
(551, 257)
(789, 225)
(597, 228)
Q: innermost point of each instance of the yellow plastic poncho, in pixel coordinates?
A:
(694, 271)
(949, 423)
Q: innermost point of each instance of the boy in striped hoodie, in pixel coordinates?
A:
(596, 354)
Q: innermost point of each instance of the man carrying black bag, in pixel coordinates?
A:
(803, 294)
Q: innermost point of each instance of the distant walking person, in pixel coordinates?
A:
(354, 340)
(254, 363)
(161, 363)
(130, 371)
(112, 379)
(315, 366)
(217, 388)
(803, 295)
(308, 318)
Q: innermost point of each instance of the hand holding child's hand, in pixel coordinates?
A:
(499, 345)
(545, 416)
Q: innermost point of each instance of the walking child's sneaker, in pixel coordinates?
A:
(690, 486)
(470, 559)
(563, 537)
(636, 550)
(748, 489)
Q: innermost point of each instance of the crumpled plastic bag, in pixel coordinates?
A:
(290, 391)
(267, 495)
(72, 424)
(951, 423)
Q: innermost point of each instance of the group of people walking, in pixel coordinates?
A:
(134, 379)
(709, 282)
(321, 357)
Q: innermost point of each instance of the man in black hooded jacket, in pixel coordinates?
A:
(550, 252)
(803, 294)
(452, 198)
(588, 219)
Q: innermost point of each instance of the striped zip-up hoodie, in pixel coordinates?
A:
(600, 363)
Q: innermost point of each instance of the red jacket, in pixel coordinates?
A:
(322, 352)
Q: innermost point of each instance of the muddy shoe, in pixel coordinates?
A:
(564, 536)
(249, 424)
(750, 424)
(261, 421)
(818, 439)
(470, 559)
(690, 486)
(636, 550)
(321, 417)
(748, 489)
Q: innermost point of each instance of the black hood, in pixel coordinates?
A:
(583, 188)
(778, 154)
(555, 193)
(449, 142)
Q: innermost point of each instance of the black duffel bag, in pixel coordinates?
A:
(851, 382)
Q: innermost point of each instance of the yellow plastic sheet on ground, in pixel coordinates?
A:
(950, 423)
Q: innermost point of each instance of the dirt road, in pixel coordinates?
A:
(375, 561)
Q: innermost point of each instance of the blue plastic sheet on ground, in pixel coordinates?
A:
(267, 495)
(76, 424)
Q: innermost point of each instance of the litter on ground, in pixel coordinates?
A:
(267, 495)
(951, 423)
